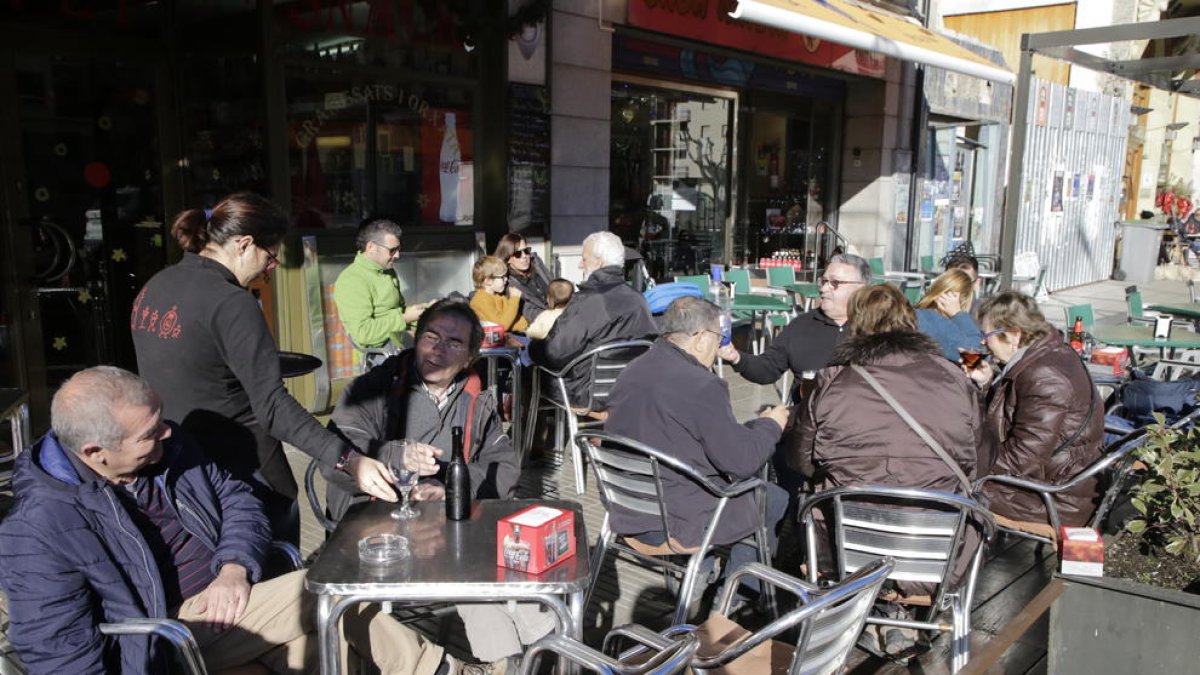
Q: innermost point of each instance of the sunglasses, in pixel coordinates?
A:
(392, 250)
(522, 252)
(835, 283)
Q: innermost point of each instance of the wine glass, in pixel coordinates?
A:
(403, 479)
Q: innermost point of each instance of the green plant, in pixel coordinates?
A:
(1168, 498)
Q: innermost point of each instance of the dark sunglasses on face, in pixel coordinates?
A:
(522, 252)
(392, 250)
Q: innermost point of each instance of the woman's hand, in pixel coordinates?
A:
(980, 374)
(949, 304)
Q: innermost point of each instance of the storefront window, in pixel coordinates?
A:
(959, 190)
(363, 147)
(669, 187)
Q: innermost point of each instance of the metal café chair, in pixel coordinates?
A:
(629, 475)
(670, 654)
(826, 623)
(1118, 463)
(925, 531)
(601, 365)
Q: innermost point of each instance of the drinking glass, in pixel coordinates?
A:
(403, 480)
(971, 357)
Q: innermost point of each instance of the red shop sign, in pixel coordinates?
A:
(709, 21)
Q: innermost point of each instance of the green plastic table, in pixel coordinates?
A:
(764, 305)
(1143, 336)
(1186, 310)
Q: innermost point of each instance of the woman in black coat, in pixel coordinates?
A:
(526, 273)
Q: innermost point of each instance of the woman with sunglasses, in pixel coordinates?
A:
(203, 344)
(1042, 418)
(526, 273)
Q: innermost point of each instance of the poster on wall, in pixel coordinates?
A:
(1043, 104)
(902, 190)
(527, 50)
(1056, 192)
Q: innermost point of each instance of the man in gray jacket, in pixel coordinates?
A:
(421, 394)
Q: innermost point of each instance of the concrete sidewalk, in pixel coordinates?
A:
(1108, 299)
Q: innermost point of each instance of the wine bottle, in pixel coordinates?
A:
(458, 480)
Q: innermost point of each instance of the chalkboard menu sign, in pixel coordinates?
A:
(528, 158)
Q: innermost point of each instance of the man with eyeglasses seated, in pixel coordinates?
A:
(805, 344)
(367, 293)
(422, 394)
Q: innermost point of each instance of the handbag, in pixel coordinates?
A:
(915, 426)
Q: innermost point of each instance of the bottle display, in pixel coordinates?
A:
(516, 552)
(449, 165)
(458, 480)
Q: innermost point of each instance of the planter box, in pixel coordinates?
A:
(1105, 625)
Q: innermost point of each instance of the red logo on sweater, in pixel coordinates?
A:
(149, 320)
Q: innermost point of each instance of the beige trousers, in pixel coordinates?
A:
(278, 631)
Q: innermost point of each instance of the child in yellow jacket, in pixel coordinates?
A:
(494, 300)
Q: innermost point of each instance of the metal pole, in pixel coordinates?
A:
(1012, 194)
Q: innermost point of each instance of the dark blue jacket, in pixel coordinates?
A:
(71, 557)
(950, 334)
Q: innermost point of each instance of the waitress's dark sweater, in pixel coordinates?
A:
(202, 343)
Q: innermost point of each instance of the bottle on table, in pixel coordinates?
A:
(1076, 336)
(458, 480)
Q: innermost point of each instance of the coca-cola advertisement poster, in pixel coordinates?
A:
(444, 148)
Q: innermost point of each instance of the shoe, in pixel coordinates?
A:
(508, 664)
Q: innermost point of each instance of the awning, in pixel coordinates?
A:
(852, 25)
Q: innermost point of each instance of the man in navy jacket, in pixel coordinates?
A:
(117, 516)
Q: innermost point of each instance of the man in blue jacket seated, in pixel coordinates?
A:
(117, 517)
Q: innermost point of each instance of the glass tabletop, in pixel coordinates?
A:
(446, 555)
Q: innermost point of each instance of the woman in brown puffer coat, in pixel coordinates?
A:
(1042, 417)
(846, 434)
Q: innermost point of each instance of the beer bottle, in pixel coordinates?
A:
(458, 480)
(1076, 335)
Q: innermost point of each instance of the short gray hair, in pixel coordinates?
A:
(373, 230)
(689, 315)
(606, 246)
(857, 262)
(82, 409)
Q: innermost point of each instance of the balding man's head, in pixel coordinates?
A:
(83, 410)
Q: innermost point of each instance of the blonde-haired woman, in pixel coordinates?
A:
(944, 314)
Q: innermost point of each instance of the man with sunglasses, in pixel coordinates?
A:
(367, 293)
(805, 344)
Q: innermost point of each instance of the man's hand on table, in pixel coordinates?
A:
(225, 599)
(729, 353)
(429, 491)
(371, 476)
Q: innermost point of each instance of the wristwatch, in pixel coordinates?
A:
(343, 462)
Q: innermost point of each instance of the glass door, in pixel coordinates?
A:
(91, 162)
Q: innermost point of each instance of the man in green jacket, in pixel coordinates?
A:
(367, 293)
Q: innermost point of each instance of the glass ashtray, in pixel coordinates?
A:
(382, 549)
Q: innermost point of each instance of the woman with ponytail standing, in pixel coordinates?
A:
(202, 342)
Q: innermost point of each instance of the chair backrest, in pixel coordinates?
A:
(778, 277)
(740, 277)
(604, 364)
(830, 624)
(1133, 302)
(923, 530)
(671, 654)
(1082, 311)
(314, 501)
(877, 268)
(698, 280)
(927, 264)
(913, 291)
(629, 475)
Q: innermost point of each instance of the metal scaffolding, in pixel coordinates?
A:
(1169, 73)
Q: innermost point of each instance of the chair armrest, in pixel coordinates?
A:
(673, 658)
(644, 638)
(801, 589)
(170, 630)
(289, 552)
(1013, 481)
(735, 489)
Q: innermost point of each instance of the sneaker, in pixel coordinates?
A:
(507, 664)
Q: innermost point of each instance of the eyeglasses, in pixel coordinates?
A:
(522, 252)
(391, 250)
(433, 341)
(990, 333)
(502, 276)
(272, 258)
(836, 283)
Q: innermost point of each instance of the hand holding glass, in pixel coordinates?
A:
(404, 479)
(971, 358)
